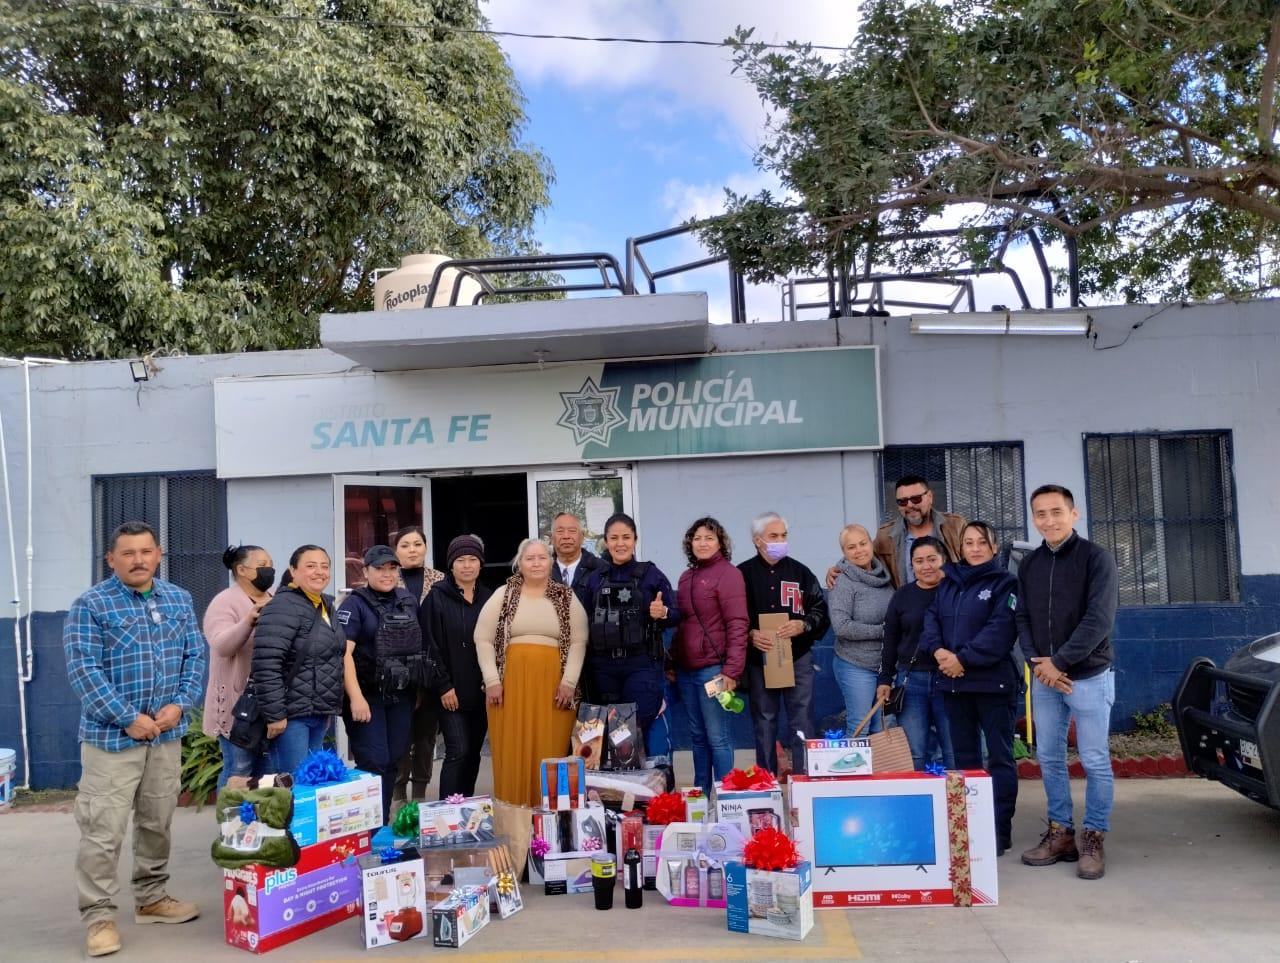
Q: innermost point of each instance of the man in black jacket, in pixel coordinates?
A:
(1069, 590)
(776, 583)
(573, 562)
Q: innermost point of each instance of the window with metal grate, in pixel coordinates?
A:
(1164, 505)
(188, 509)
(979, 481)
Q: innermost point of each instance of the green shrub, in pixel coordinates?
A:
(1155, 722)
(201, 762)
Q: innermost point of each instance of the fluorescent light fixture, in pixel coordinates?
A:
(1003, 322)
(139, 371)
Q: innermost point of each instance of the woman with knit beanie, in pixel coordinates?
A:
(448, 618)
(531, 639)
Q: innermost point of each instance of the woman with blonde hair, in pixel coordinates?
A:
(531, 638)
(858, 602)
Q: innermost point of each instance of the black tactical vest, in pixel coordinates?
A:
(618, 623)
(399, 662)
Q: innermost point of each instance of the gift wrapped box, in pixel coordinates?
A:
(588, 828)
(460, 916)
(691, 860)
(442, 864)
(751, 809)
(265, 907)
(768, 902)
(452, 823)
(393, 884)
(335, 809)
(697, 806)
(566, 873)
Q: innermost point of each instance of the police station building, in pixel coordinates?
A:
(491, 418)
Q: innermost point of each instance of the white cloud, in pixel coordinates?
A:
(686, 77)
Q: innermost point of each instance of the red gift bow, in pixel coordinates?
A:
(752, 778)
(693, 794)
(770, 849)
(665, 808)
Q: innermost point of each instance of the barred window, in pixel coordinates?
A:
(1164, 504)
(979, 481)
(188, 509)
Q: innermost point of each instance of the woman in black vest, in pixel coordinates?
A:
(384, 666)
(629, 604)
(448, 619)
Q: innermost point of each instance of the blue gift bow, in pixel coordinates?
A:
(248, 813)
(389, 855)
(935, 769)
(834, 734)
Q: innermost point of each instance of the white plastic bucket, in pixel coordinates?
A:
(8, 760)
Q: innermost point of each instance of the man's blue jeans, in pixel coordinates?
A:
(239, 762)
(1090, 704)
(301, 737)
(923, 708)
(709, 727)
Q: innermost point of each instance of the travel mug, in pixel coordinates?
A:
(604, 874)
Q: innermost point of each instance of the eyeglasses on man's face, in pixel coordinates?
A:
(911, 500)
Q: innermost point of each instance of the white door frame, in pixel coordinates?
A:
(340, 520)
(623, 471)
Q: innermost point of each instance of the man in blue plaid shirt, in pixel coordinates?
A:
(135, 656)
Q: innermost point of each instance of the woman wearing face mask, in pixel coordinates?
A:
(448, 620)
(530, 640)
(857, 603)
(969, 630)
(414, 771)
(384, 666)
(298, 661)
(228, 626)
(628, 605)
(901, 661)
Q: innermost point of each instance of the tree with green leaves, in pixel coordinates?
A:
(212, 175)
(1143, 129)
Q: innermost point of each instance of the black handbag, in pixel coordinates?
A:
(898, 693)
(248, 727)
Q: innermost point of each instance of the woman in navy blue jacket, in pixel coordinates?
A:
(970, 632)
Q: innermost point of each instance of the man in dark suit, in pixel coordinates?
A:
(573, 563)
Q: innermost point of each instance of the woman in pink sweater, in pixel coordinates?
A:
(228, 626)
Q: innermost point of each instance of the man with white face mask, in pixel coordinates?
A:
(777, 583)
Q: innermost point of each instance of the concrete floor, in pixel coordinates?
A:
(1193, 874)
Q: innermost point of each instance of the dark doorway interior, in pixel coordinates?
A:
(495, 507)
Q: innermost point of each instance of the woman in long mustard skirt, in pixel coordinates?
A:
(531, 639)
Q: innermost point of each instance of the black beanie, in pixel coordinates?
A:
(464, 545)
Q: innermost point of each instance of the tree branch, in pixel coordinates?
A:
(1267, 90)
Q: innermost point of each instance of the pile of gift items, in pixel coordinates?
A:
(306, 851)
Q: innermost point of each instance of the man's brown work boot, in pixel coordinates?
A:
(103, 938)
(166, 910)
(1093, 861)
(1058, 844)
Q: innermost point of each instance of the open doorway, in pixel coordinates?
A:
(494, 507)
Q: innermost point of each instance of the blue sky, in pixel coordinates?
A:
(642, 138)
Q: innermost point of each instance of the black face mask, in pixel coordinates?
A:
(264, 579)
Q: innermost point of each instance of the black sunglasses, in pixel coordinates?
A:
(911, 500)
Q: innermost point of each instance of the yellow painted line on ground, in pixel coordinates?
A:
(834, 940)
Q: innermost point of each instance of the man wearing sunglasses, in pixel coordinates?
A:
(917, 518)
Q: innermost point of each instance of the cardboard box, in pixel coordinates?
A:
(697, 807)
(588, 829)
(779, 666)
(564, 783)
(395, 898)
(838, 757)
(886, 840)
(765, 902)
(649, 855)
(566, 874)
(691, 861)
(453, 824)
(264, 907)
(337, 809)
(442, 863)
(459, 917)
(751, 809)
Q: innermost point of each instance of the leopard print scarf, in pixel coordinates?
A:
(560, 596)
(430, 576)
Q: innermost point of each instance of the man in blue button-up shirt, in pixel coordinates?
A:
(135, 656)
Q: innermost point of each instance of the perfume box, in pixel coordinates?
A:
(691, 862)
